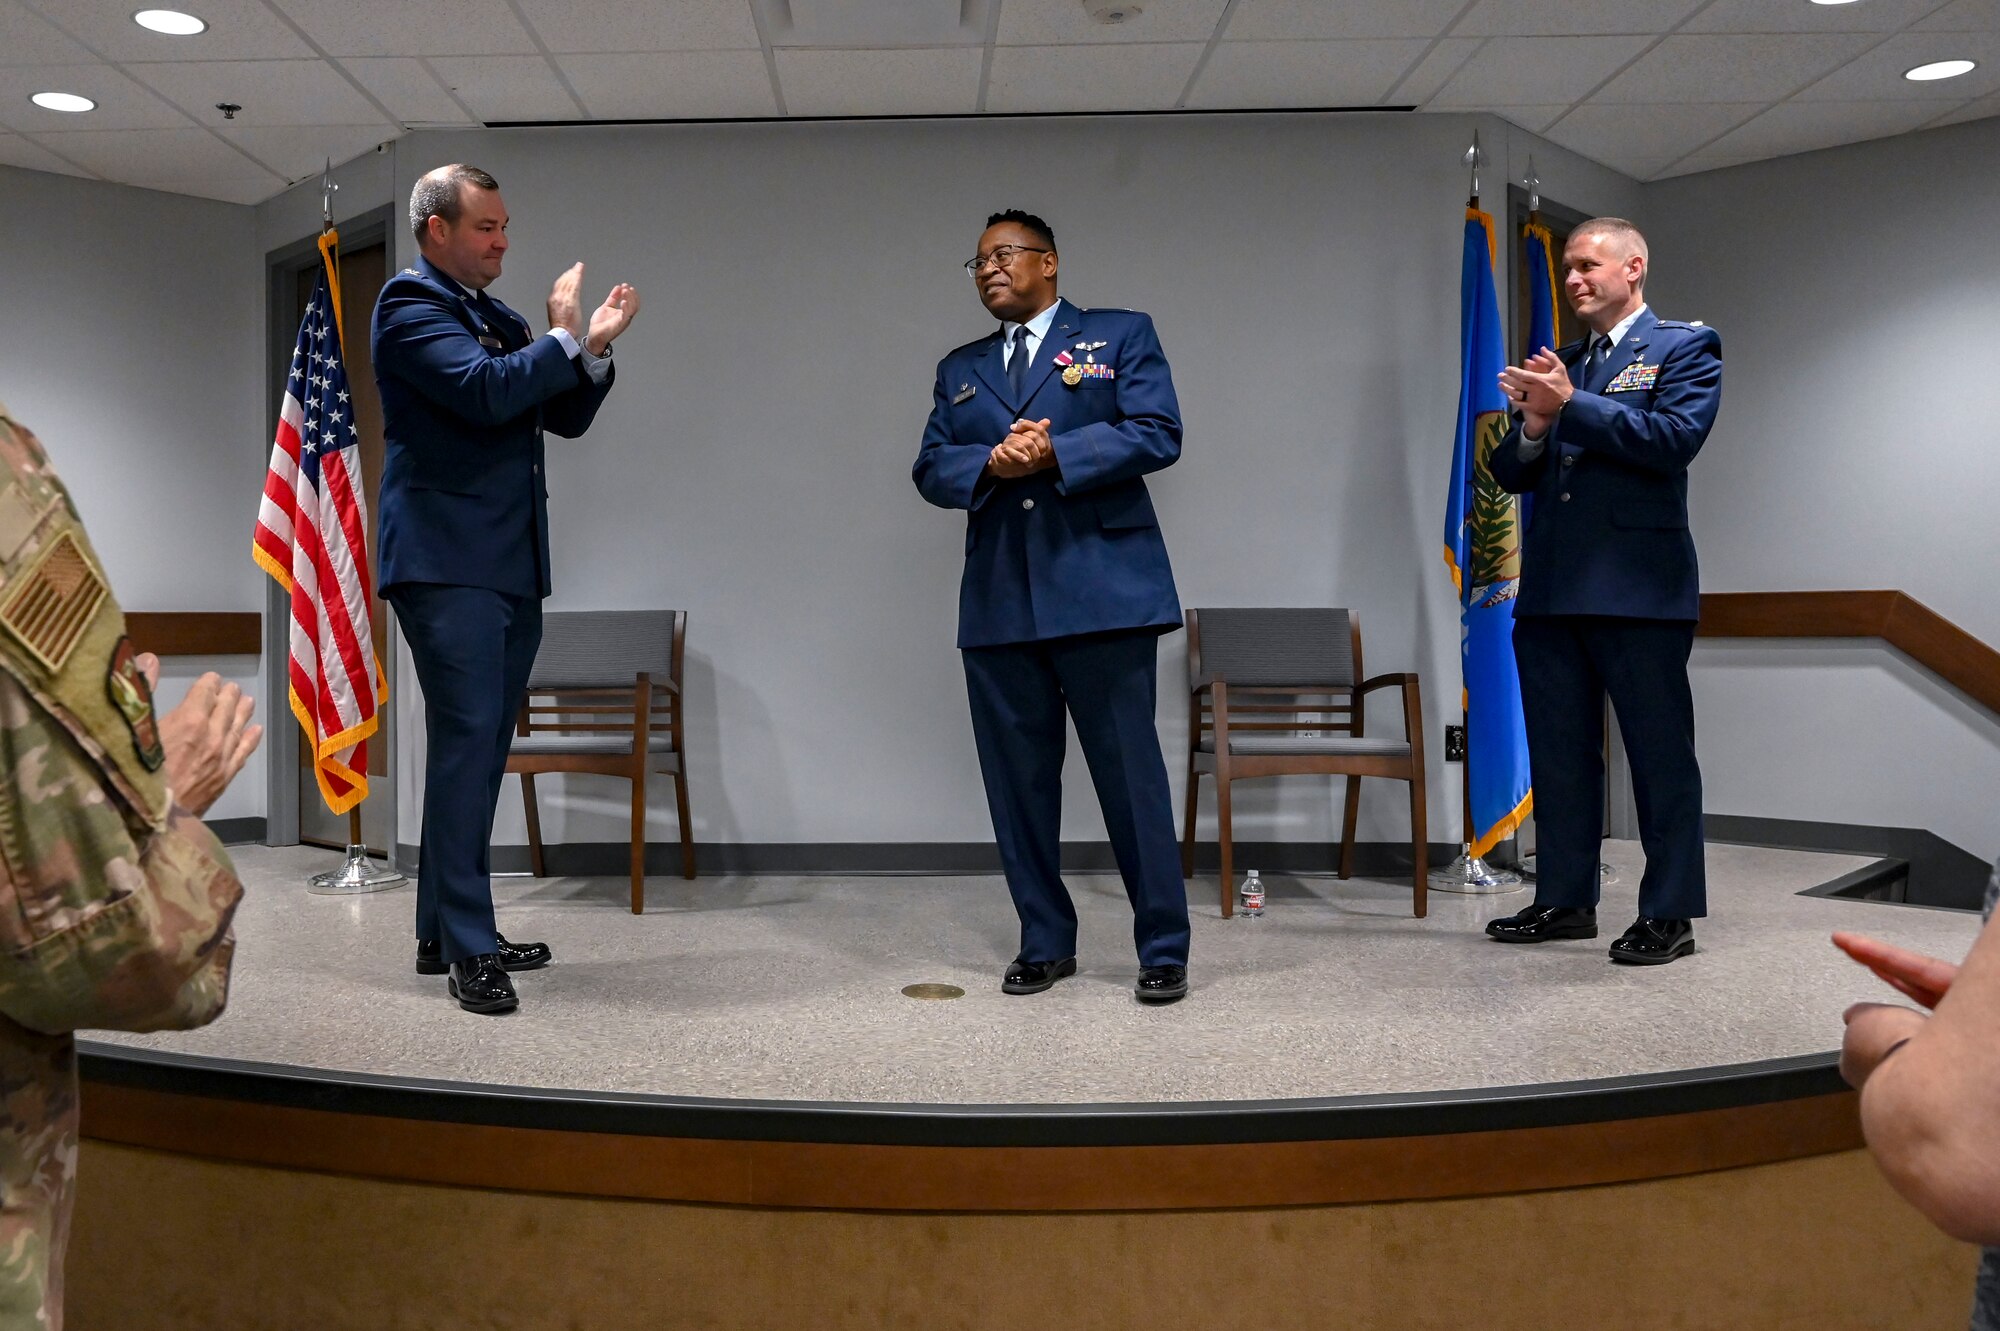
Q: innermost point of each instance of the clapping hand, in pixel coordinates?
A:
(1025, 450)
(1875, 1030)
(611, 318)
(207, 738)
(566, 301)
(1539, 387)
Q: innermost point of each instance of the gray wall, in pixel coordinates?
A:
(1854, 290)
(752, 465)
(130, 342)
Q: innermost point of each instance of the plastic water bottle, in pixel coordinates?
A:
(1253, 896)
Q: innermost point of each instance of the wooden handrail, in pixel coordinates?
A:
(1907, 624)
(197, 633)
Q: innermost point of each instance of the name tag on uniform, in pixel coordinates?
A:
(492, 342)
(965, 392)
(1633, 378)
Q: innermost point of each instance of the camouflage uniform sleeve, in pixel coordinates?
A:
(109, 917)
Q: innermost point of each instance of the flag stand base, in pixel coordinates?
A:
(1472, 876)
(359, 874)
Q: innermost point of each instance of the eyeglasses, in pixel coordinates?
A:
(1001, 256)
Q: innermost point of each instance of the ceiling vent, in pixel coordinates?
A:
(874, 25)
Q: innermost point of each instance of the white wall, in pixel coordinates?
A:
(130, 342)
(801, 281)
(1854, 290)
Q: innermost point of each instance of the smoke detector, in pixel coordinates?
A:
(1110, 11)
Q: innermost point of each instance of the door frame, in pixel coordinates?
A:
(282, 267)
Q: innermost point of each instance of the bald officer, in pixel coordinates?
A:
(1609, 592)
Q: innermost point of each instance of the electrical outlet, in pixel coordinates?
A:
(1454, 744)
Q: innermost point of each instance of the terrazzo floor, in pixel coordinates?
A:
(788, 988)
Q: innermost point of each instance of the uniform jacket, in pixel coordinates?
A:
(1076, 548)
(464, 499)
(1609, 535)
(115, 903)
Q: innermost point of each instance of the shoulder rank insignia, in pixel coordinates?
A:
(133, 697)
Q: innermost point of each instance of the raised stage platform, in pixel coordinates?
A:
(746, 1042)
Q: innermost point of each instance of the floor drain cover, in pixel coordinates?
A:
(932, 991)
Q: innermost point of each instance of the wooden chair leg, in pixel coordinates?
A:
(1223, 842)
(1187, 836)
(1347, 826)
(639, 841)
(534, 826)
(1420, 849)
(687, 821)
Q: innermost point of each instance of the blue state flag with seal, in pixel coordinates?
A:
(1482, 547)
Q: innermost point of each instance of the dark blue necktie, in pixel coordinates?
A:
(1017, 367)
(1593, 361)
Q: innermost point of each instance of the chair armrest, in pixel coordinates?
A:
(1403, 680)
(1196, 683)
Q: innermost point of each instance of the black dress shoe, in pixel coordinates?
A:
(480, 985)
(1031, 977)
(1161, 984)
(1651, 942)
(513, 956)
(1538, 924)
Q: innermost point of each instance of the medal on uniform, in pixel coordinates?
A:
(1072, 373)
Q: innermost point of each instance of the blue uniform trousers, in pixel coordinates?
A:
(473, 648)
(1108, 683)
(1568, 664)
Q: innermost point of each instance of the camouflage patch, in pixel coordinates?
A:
(55, 602)
(133, 697)
(17, 520)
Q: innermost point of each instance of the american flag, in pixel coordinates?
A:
(310, 529)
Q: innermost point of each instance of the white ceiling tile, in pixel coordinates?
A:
(1964, 16)
(121, 103)
(1632, 137)
(410, 91)
(1064, 22)
(1978, 109)
(237, 30)
(683, 25)
(1798, 16)
(1534, 119)
(672, 85)
(228, 190)
(1878, 75)
(507, 87)
(1797, 127)
(140, 155)
(271, 92)
(1562, 18)
(18, 151)
(397, 27)
(26, 38)
(943, 81)
(1434, 71)
(1090, 78)
(1534, 71)
(1732, 69)
(296, 152)
(1335, 20)
(1274, 74)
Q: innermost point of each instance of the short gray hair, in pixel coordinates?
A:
(438, 195)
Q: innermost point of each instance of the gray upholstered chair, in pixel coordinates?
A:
(605, 696)
(1279, 692)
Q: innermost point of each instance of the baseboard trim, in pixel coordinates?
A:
(593, 859)
(1941, 873)
(238, 831)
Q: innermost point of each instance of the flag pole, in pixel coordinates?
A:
(1469, 874)
(358, 873)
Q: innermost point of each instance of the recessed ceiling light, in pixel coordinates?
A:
(1940, 69)
(62, 101)
(170, 21)
(1833, 2)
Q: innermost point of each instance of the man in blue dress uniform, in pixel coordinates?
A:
(1043, 432)
(1609, 593)
(467, 390)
